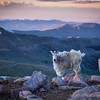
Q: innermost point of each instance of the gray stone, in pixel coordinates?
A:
(95, 78)
(33, 97)
(24, 94)
(37, 79)
(58, 81)
(3, 78)
(77, 84)
(68, 80)
(23, 79)
(69, 88)
(99, 64)
(95, 94)
(87, 93)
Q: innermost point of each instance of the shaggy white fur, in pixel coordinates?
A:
(65, 60)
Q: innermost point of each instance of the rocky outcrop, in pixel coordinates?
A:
(87, 93)
(37, 80)
(69, 80)
(95, 78)
(23, 79)
(35, 87)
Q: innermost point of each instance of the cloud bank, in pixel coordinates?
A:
(7, 2)
(69, 10)
(77, 1)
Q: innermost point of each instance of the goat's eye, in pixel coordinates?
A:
(54, 59)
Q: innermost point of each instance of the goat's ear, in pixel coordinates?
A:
(79, 51)
(52, 52)
(83, 54)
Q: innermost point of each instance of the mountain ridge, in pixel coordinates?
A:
(22, 48)
(30, 24)
(84, 30)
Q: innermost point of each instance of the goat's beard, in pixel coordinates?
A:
(59, 69)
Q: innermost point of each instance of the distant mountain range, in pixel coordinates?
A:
(86, 30)
(26, 25)
(32, 49)
(52, 28)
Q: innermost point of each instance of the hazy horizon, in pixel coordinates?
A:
(65, 10)
(49, 20)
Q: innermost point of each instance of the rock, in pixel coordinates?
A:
(86, 93)
(37, 80)
(1, 88)
(24, 94)
(21, 80)
(33, 97)
(6, 78)
(75, 80)
(43, 90)
(68, 80)
(77, 84)
(95, 78)
(95, 94)
(69, 88)
(58, 81)
(99, 64)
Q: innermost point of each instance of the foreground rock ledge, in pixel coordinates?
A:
(42, 89)
(87, 93)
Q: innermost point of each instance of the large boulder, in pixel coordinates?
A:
(80, 84)
(69, 81)
(95, 78)
(24, 94)
(95, 95)
(36, 81)
(22, 80)
(27, 95)
(87, 93)
(57, 81)
(75, 80)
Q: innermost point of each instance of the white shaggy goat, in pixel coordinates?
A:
(65, 60)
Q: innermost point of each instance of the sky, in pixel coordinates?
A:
(66, 10)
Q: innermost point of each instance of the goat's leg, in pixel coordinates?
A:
(69, 81)
(77, 76)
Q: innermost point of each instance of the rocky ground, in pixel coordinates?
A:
(12, 89)
(11, 92)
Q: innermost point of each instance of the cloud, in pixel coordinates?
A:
(10, 3)
(51, 3)
(17, 2)
(76, 1)
(54, 0)
(7, 2)
(87, 1)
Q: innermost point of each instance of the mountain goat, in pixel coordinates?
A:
(65, 60)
